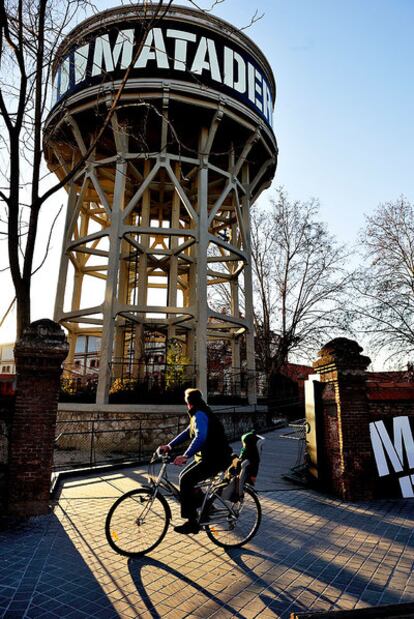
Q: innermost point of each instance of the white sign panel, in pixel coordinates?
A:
(394, 453)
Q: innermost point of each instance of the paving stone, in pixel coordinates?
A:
(311, 551)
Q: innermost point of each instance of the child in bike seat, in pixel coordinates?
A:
(250, 455)
(211, 452)
(244, 467)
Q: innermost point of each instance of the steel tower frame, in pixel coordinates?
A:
(142, 219)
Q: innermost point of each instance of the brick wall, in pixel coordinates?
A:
(390, 400)
(6, 412)
(329, 472)
(4, 461)
(351, 400)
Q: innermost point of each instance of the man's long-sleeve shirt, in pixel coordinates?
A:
(197, 430)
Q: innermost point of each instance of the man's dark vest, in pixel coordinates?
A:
(216, 448)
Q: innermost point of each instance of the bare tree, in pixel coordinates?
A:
(301, 281)
(385, 284)
(30, 31)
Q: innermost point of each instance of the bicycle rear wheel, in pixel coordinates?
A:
(237, 525)
(137, 522)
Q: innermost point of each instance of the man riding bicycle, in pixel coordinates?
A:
(211, 452)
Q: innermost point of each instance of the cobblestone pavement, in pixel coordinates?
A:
(311, 552)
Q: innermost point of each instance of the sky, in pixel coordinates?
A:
(343, 114)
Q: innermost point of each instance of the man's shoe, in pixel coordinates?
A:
(187, 527)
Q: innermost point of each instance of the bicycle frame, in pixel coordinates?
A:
(211, 487)
(161, 481)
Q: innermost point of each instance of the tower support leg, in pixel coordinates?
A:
(105, 370)
(202, 313)
(248, 291)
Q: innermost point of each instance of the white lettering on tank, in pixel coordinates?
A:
(64, 76)
(181, 47)
(267, 103)
(232, 69)
(105, 55)
(206, 48)
(258, 89)
(81, 60)
(153, 49)
(252, 82)
(55, 88)
(231, 57)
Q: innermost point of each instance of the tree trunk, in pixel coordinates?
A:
(23, 307)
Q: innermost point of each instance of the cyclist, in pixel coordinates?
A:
(211, 452)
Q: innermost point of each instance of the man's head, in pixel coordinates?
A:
(193, 397)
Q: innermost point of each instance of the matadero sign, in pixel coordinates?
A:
(393, 447)
(172, 51)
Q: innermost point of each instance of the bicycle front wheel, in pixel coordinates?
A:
(235, 526)
(137, 522)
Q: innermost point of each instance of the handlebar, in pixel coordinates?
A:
(166, 457)
(158, 455)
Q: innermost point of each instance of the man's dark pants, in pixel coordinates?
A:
(192, 475)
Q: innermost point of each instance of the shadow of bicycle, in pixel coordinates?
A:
(179, 585)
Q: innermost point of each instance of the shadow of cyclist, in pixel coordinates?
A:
(280, 599)
(136, 566)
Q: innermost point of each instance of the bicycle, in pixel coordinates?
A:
(138, 521)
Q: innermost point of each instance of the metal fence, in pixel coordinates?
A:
(150, 382)
(235, 384)
(85, 443)
(139, 382)
(90, 442)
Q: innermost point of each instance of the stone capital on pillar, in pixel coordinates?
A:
(341, 356)
(42, 348)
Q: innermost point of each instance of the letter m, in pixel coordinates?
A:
(383, 445)
(104, 55)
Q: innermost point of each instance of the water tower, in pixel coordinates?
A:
(165, 121)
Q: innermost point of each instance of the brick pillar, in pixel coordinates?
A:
(349, 462)
(39, 355)
(5, 421)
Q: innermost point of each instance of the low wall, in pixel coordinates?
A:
(390, 400)
(134, 431)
